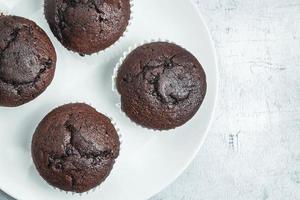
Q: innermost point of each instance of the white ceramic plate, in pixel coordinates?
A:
(149, 161)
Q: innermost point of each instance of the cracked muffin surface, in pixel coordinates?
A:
(74, 147)
(27, 61)
(87, 26)
(161, 85)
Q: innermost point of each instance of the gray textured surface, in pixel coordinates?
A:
(3, 196)
(253, 148)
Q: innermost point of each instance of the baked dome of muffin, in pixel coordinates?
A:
(87, 26)
(27, 61)
(74, 147)
(161, 85)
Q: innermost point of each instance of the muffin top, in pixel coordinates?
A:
(161, 85)
(74, 147)
(27, 60)
(87, 26)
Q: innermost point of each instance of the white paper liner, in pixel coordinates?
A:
(4, 11)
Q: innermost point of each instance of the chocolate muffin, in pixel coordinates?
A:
(161, 85)
(27, 61)
(87, 26)
(74, 147)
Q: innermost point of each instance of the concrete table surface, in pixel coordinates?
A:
(253, 148)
